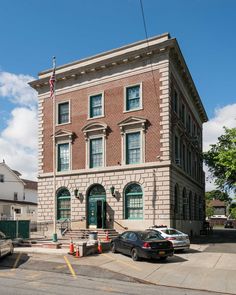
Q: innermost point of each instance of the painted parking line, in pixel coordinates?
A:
(70, 267)
(123, 262)
(17, 260)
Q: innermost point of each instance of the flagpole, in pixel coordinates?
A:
(54, 237)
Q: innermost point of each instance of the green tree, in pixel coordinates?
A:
(218, 195)
(221, 160)
(233, 213)
(209, 209)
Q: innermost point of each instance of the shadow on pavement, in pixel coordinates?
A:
(13, 261)
(216, 237)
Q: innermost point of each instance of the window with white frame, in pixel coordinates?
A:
(95, 140)
(133, 98)
(63, 110)
(96, 105)
(96, 152)
(63, 157)
(133, 148)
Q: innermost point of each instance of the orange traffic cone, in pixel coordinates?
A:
(71, 249)
(99, 247)
(77, 255)
(107, 236)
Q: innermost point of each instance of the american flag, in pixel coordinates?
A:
(52, 79)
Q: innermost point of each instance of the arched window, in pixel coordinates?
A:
(190, 204)
(133, 202)
(97, 190)
(176, 199)
(185, 203)
(63, 204)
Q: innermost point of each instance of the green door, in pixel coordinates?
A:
(97, 207)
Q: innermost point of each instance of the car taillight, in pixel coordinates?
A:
(146, 245)
(170, 239)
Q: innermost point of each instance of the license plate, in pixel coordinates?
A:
(162, 252)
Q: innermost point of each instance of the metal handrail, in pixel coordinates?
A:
(67, 223)
(124, 227)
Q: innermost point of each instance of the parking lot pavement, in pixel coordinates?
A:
(199, 268)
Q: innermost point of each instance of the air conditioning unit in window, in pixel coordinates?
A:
(177, 162)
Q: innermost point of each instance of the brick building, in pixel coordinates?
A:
(128, 140)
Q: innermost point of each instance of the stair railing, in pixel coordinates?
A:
(123, 227)
(65, 226)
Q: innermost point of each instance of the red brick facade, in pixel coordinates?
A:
(113, 114)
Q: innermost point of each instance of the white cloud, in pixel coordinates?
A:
(223, 117)
(16, 89)
(18, 141)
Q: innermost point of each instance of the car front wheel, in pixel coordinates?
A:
(134, 254)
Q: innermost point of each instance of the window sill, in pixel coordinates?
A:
(133, 110)
(97, 117)
(63, 124)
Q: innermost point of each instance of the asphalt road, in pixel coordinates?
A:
(220, 241)
(21, 281)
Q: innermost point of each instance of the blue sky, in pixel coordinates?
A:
(33, 31)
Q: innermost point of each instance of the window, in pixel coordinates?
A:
(1, 178)
(133, 100)
(189, 124)
(175, 101)
(176, 199)
(190, 201)
(133, 148)
(177, 159)
(63, 204)
(183, 113)
(63, 113)
(18, 211)
(63, 157)
(184, 157)
(96, 152)
(15, 196)
(185, 203)
(134, 202)
(96, 106)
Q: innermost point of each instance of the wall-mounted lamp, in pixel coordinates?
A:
(112, 189)
(76, 193)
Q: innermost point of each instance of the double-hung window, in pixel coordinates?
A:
(96, 152)
(133, 99)
(63, 151)
(133, 148)
(96, 105)
(63, 113)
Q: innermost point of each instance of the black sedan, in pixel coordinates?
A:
(142, 244)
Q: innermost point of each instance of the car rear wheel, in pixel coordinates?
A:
(134, 254)
(113, 248)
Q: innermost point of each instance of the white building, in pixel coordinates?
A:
(18, 197)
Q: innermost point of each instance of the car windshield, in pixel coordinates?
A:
(170, 231)
(150, 235)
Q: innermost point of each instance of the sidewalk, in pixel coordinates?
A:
(195, 270)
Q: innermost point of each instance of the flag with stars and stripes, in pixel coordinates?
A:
(52, 79)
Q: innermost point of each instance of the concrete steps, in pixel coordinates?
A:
(84, 233)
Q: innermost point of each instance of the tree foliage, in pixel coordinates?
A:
(209, 209)
(233, 213)
(218, 195)
(221, 160)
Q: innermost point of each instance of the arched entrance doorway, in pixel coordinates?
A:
(96, 213)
